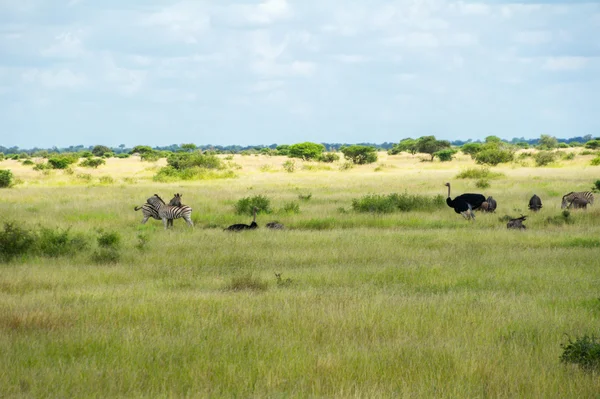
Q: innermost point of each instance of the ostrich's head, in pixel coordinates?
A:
(447, 184)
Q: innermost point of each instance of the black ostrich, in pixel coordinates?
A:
(535, 203)
(242, 226)
(465, 204)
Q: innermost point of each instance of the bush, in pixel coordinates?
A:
(184, 160)
(347, 166)
(86, 154)
(15, 241)
(106, 180)
(55, 243)
(593, 144)
(100, 150)
(306, 150)
(291, 207)
(109, 240)
(393, 202)
(596, 186)
(170, 174)
(41, 166)
(289, 166)
(559, 220)
(595, 161)
(245, 206)
(85, 176)
(563, 145)
(583, 351)
(494, 156)
(360, 154)
(151, 156)
(482, 183)
(92, 162)
(141, 149)
(587, 152)
(479, 173)
(445, 155)
(544, 158)
(6, 178)
(471, 149)
(122, 155)
(569, 156)
(1, 156)
(60, 162)
(406, 145)
(28, 162)
(329, 157)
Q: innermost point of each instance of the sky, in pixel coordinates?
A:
(222, 72)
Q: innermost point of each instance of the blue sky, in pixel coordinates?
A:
(282, 71)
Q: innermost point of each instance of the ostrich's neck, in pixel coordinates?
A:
(448, 191)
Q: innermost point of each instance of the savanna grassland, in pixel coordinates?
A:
(413, 304)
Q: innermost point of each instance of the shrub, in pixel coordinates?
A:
(41, 166)
(122, 155)
(28, 162)
(247, 282)
(329, 157)
(482, 183)
(593, 144)
(360, 154)
(347, 166)
(106, 180)
(1, 156)
(283, 149)
(430, 145)
(394, 202)
(100, 150)
(60, 162)
(583, 351)
(596, 186)
(85, 176)
(289, 166)
(407, 145)
(595, 161)
(524, 155)
(471, 149)
(479, 173)
(109, 240)
(151, 156)
(569, 156)
(245, 206)
(445, 155)
(15, 241)
(55, 243)
(184, 160)
(291, 207)
(544, 158)
(141, 149)
(559, 220)
(143, 240)
(494, 156)
(86, 154)
(169, 174)
(563, 145)
(547, 142)
(586, 152)
(306, 150)
(92, 162)
(6, 178)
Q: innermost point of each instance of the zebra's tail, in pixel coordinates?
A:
(137, 208)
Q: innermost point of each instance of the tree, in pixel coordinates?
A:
(471, 149)
(445, 155)
(189, 147)
(360, 154)
(593, 144)
(406, 145)
(141, 149)
(547, 142)
(429, 145)
(306, 150)
(493, 139)
(100, 150)
(92, 162)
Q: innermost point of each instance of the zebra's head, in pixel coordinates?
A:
(176, 201)
(565, 200)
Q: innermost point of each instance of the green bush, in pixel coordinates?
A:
(471, 149)
(329, 157)
(141, 149)
(28, 162)
(42, 166)
(587, 152)
(15, 241)
(482, 183)
(106, 180)
(86, 154)
(375, 203)
(100, 150)
(595, 161)
(1, 156)
(360, 154)
(479, 173)
(184, 160)
(596, 186)
(170, 174)
(122, 155)
(494, 156)
(569, 156)
(306, 150)
(245, 206)
(61, 162)
(6, 178)
(563, 145)
(56, 243)
(445, 155)
(289, 166)
(109, 239)
(583, 351)
(92, 162)
(346, 165)
(544, 158)
(593, 144)
(406, 145)
(291, 207)
(151, 156)
(283, 149)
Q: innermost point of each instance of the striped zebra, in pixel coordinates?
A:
(150, 211)
(567, 199)
(166, 212)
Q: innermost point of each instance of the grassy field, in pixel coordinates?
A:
(416, 304)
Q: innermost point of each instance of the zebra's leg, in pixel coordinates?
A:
(165, 222)
(170, 222)
(188, 220)
(145, 219)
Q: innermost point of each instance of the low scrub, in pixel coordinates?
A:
(375, 203)
(479, 173)
(329, 157)
(595, 161)
(54, 243)
(15, 241)
(247, 283)
(171, 174)
(245, 206)
(291, 207)
(482, 183)
(6, 178)
(92, 162)
(583, 351)
(109, 244)
(544, 158)
(559, 220)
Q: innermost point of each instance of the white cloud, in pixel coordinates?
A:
(565, 63)
(350, 58)
(266, 86)
(290, 69)
(186, 22)
(533, 37)
(55, 79)
(67, 45)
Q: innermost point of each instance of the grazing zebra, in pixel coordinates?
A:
(567, 199)
(578, 203)
(166, 212)
(149, 211)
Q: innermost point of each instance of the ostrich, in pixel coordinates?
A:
(275, 226)
(535, 203)
(517, 223)
(465, 203)
(491, 204)
(241, 226)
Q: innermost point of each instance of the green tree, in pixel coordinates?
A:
(405, 145)
(445, 155)
(100, 150)
(141, 149)
(188, 147)
(593, 144)
(471, 149)
(283, 149)
(429, 145)
(306, 150)
(547, 142)
(360, 154)
(493, 139)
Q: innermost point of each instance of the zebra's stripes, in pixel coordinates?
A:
(567, 199)
(150, 211)
(166, 212)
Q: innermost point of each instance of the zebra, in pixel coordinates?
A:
(150, 211)
(578, 203)
(166, 212)
(567, 199)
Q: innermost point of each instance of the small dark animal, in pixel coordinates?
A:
(578, 203)
(275, 226)
(491, 204)
(241, 226)
(282, 282)
(535, 203)
(517, 223)
(465, 204)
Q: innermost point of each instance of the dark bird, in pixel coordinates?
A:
(535, 203)
(466, 203)
(242, 226)
(492, 204)
(516, 223)
(274, 226)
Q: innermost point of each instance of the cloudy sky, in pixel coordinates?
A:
(283, 71)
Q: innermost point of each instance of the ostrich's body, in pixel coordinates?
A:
(275, 226)
(517, 223)
(466, 203)
(535, 203)
(242, 226)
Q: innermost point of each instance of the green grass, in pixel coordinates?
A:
(406, 304)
